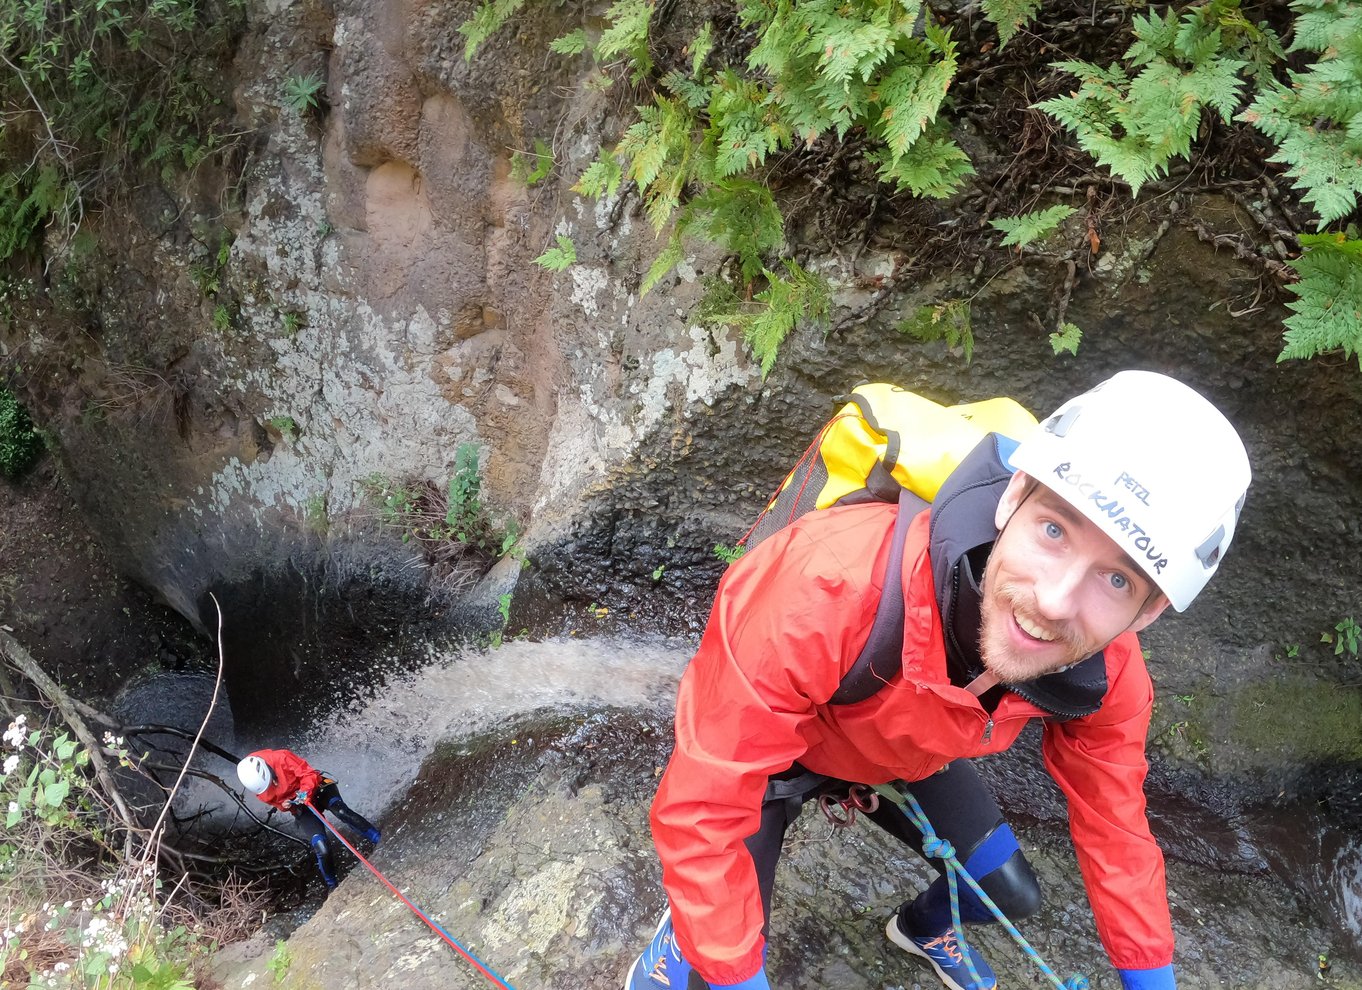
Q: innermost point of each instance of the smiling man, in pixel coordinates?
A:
(1023, 587)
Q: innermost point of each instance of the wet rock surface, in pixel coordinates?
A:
(529, 845)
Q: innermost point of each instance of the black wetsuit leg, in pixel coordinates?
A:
(329, 797)
(962, 811)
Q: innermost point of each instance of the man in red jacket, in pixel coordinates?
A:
(1023, 589)
(287, 782)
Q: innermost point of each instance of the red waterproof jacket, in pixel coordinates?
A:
(292, 774)
(788, 621)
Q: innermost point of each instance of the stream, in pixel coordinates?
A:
(504, 777)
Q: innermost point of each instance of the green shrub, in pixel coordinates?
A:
(20, 443)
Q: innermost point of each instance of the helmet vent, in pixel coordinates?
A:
(1060, 423)
(1209, 551)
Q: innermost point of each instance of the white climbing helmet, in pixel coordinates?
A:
(254, 774)
(1154, 466)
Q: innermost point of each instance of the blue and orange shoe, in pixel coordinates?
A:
(943, 951)
(661, 965)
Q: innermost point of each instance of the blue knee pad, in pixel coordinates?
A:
(998, 866)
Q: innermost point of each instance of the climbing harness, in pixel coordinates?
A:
(936, 847)
(858, 797)
(477, 963)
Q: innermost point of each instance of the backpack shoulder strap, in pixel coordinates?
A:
(882, 656)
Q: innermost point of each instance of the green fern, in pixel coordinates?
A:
(535, 167)
(1317, 120)
(741, 216)
(667, 259)
(1010, 16)
(557, 259)
(1328, 305)
(1022, 230)
(486, 21)
(950, 321)
(601, 178)
(1187, 63)
(572, 43)
(627, 34)
(785, 303)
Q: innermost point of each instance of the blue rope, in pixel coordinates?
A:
(938, 848)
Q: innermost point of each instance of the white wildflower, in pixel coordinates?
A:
(14, 734)
(11, 762)
(13, 807)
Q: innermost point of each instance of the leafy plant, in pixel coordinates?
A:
(950, 321)
(729, 554)
(222, 318)
(290, 322)
(286, 426)
(533, 167)
(1327, 311)
(314, 513)
(873, 76)
(785, 302)
(1347, 637)
(281, 961)
(119, 91)
(454, 531)
(1185, 64)
(558, 258)
(1316, 119)
(305, 93)
(20, 442)
(1066, 339)
(1022, 230)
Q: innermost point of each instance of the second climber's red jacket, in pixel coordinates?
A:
(788, 621)
(291, 773)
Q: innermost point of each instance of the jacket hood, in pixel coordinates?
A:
(961, 537)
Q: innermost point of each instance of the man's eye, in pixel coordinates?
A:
(1120, 582)
(1053, 531)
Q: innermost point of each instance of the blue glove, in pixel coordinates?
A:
(1148, 979)
(756, 982)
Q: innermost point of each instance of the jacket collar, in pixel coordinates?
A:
(961, 537)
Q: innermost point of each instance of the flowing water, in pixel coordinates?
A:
(375, 746)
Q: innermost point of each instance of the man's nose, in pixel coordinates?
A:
(1057, 588)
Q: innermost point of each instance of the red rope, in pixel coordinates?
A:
(414, 909)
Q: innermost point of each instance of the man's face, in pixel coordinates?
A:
(1056, 589)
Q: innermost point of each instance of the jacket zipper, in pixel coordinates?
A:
(988, 730)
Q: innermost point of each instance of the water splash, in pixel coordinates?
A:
(375, 746)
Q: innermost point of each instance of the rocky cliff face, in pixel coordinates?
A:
(239, 353)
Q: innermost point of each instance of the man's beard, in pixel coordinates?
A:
(996, 650)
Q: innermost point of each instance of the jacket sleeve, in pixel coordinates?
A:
(785, 620)
(291, 774)
(1099, 762)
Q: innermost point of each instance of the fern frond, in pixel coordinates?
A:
(741, 216)
(486, 21)
(1328, 305)
(601, 178)
(628, 33)
(803, 296)
(1022, 230)
(668, 258)
(1327, 167)
(1010, 16)
(572, 43)
(556, 259)
(933, 166)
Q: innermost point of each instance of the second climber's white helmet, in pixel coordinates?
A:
(1154, 466)
(254, 774)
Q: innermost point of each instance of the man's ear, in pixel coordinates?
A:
(1149, 613)
(1013, 496)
